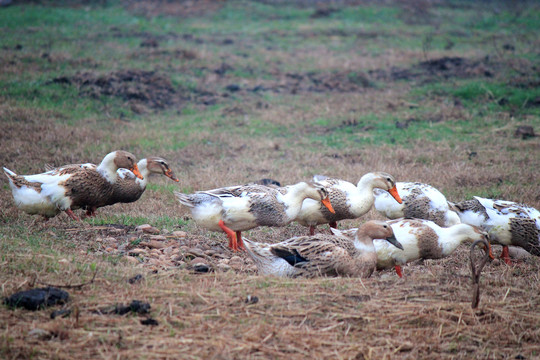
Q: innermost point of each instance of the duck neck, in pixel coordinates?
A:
(455, 236)
(366, 255)
(364, 194)
(364, 244)
(107, 168)
(294, 198)
(143, 169)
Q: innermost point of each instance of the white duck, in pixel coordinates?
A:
(420, 201)
(71, 187)
(507, 222)
(349, 201)
(321, 254)
(239, 208)
(421, 239)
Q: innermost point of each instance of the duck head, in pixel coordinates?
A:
(126, 160)
(157, 165)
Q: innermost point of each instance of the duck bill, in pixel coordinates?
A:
(326, 202)
(136, 172)
(170, 174)
(392, 240)
(395, 195)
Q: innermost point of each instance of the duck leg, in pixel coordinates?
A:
(506, 255)
(398, 271)
(91, 212)
(70, 213)
(233, 244)
(239, 240)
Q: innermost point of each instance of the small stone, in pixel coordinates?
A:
(223, 267)
(118, 231)
(158, 237)
(147, 229)
(168, 250)
(517, 253)
(198, 260)
(224, 261)
(250, 299)
(63, 262)
(236, 262)
(179, 234)
(135, 252)
(132, 260)
(153, 244)
(202, 268)
(195, 252)
(165, 231)
(40, 334)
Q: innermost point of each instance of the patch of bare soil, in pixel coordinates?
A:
(181, 8)
(436, 69)
(148, 87)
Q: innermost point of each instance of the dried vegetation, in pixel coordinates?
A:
(209, 302)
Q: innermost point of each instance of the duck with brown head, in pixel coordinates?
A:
(323, 255)
(70, 187)
(129, 188)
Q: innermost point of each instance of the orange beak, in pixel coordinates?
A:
(135, 170)
(169, 173)
(394, 193)
(326, 202)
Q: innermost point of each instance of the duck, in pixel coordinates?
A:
(421, 239)
(420, 201)
(323, 254)
(70, 187)
(507, 223)
(239, 208)
(129, 188)
(348, 200)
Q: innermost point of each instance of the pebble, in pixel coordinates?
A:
(179, 234)
(158, 237)
(132, 260)
(39, 334)
(63, 261)
(198, 260)
(195, 252)
(153, 244)
(147, 228)
(223, 267)
(137, 251)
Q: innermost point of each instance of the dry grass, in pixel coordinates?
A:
(425, 315)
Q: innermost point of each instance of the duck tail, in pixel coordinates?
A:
(184, 199)
(257, 253)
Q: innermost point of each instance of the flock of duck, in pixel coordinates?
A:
(423, 225)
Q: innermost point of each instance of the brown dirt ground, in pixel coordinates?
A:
(206, 315)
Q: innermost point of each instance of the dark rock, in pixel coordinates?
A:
(136, 279)
(136, 306)
(35, 299)
(525, 132)
(201, 268)
(61, 312)
(232, 87)
(149, 322)
(250, 299)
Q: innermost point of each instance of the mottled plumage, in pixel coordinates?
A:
(421, 239)
(322, 255)
(240, 208)
(128, 188)
(507, 222)
(71, 187)
(420, 201)
(349, 201)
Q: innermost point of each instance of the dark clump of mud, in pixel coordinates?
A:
(151, 88)
(436, 69)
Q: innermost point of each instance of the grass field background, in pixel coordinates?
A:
(233, 91)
